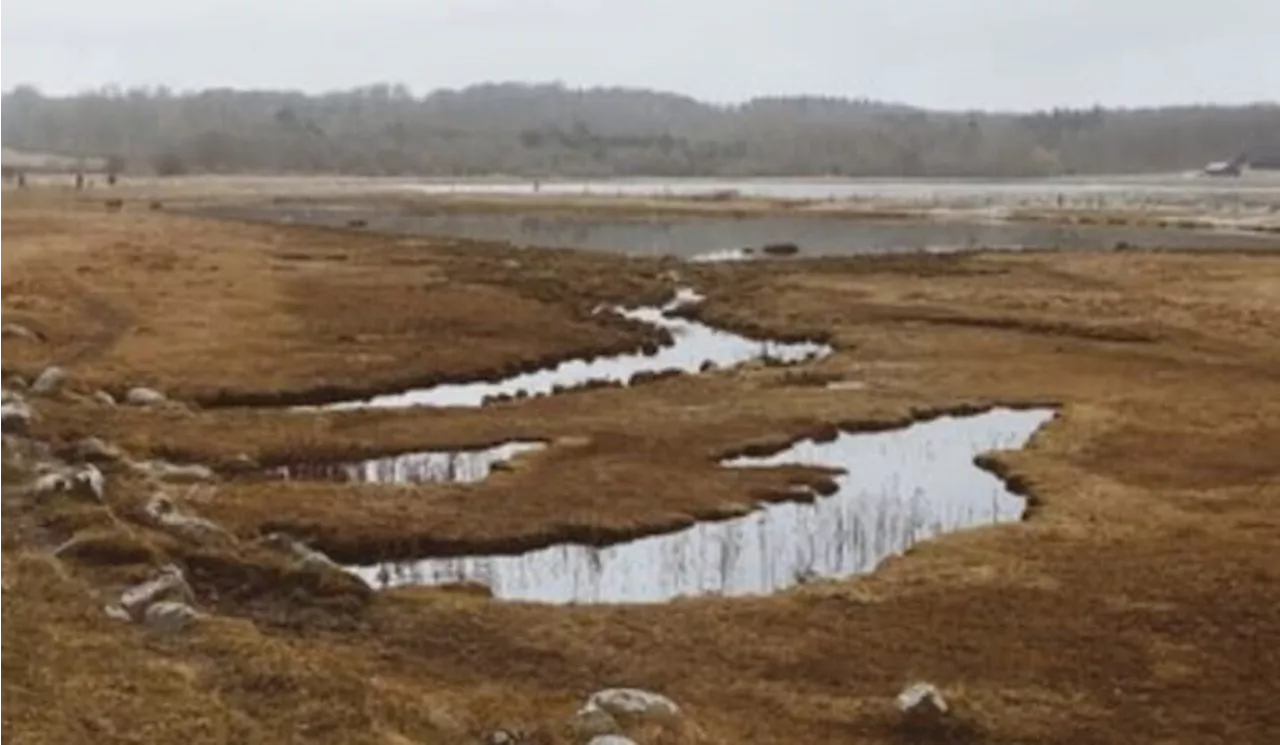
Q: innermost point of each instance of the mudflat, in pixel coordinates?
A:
(1136, 603)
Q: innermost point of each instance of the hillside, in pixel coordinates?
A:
(549, 129)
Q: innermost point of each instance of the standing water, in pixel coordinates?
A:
(694, 345)
(898, 488)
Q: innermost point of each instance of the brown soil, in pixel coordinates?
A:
(1138, 604)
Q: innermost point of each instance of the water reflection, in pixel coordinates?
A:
(900, 487)
(694, 345)
(433, 467)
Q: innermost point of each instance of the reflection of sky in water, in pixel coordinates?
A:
(462, 466)
(901, 487)
(694, 344)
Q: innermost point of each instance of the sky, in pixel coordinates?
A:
(946, 54)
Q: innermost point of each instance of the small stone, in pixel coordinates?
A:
(16, 382)
(307, 557)
(117, 612)
(94, 450)
(18, 331)
(168, 616)
(165, 515)
(88, 481)
(922, 701)
(611, 740)
(591, 721)
(163, 470)
(15, 417)
(142, 396)
(169, 583)
(104, 398)
(50, 380)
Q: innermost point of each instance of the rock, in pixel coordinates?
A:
(168, 616)
(104, 398)
(169, 583)
(88, 481)
(307, 557)
(141, 396)
(15, 417)
(94, 450)
(17, 382)
(164, 514)
(49, 380)
(611, 740)
(780, 249)
(163, 470)
(85, 481)
(116, 612)
(591, 721)
(501, 737)
(922, 702)
(634, 703)
(18, 331)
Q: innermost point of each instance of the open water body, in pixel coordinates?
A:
(695, 237)
(898, 488)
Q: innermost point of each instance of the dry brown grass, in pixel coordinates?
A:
(1137, 605)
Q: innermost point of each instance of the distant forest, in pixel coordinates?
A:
(546, 130)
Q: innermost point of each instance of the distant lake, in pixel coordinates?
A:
(696, 237)
(1115, 191)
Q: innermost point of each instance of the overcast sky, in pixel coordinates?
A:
(1011, 54)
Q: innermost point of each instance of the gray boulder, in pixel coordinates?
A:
(611, 740)
(104, 398)
(634, 703)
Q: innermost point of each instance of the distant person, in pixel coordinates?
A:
(111, 179)
(22, 180)
(79, 181)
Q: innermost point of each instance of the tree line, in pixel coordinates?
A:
(541, 130)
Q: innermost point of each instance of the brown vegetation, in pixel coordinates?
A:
(1138, 604)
